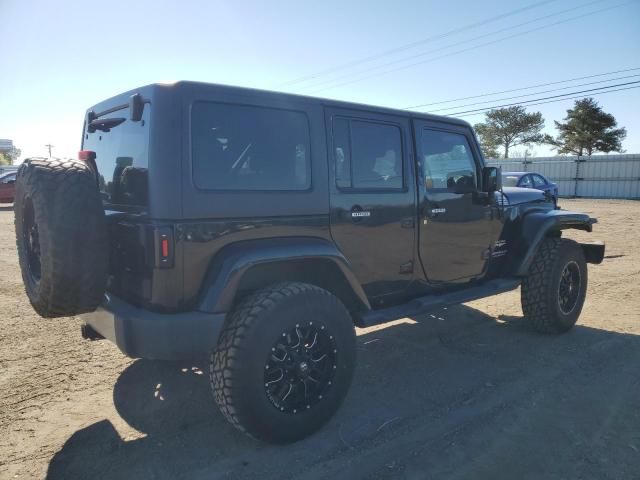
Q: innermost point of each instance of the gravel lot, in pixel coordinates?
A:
(470, 392)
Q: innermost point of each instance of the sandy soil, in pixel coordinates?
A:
(469, 392)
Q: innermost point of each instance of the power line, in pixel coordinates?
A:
(535, 93)
(445, 47)
(414, 44)
(561, 99)
(473, 47)
(545, 98)
(480, 110)
(523, 88)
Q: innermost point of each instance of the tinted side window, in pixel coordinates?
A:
(122, 159)
(538, 181)
(448, 161)
(342, 152)
(238, 147)
(526, 182)
(367, 155)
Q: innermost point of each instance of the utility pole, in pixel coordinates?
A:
(49, 146)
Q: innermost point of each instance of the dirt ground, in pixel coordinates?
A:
(468, 392)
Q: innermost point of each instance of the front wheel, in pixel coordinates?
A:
(554, 290)
(284, 362)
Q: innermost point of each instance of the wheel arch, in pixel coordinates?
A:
(538, 225)
(247, 266)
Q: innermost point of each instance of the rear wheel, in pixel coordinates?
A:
(554, 291)
(284, 362)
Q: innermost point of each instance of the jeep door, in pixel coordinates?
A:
(455, 218)
(372, 198)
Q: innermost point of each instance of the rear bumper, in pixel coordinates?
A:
(140, 333)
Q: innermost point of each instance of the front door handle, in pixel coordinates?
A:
(434, 212)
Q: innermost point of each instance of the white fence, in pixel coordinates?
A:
(598, 176)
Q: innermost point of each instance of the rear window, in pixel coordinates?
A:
(236, 147)
(122, 158)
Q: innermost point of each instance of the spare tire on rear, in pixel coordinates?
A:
(61, 236)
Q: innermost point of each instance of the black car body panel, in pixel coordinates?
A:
(141, 333)
(539, 224)
(213, 197)
(236, 262)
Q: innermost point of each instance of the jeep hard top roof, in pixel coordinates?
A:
(204, 88)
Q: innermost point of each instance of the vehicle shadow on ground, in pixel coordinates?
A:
(408, 374)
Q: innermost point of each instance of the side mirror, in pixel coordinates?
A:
(136, 107)
(492, 179)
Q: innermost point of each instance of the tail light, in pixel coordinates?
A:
(88, 157)
(163, 247)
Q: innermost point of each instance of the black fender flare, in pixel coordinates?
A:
(537, 225)
(234, 261)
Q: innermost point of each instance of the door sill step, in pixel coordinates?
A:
(429, 303)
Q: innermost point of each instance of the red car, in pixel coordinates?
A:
(7, 187)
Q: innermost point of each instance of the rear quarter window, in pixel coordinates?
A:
(238, 147)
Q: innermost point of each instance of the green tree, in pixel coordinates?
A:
(14, 154)
(509, 127)
(489, 150)
(10, 157)
(587, 129)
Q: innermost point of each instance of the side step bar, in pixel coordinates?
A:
(429, 303)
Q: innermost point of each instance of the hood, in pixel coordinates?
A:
(517, 195)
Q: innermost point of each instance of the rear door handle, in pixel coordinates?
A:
(437, 211)
(358, 213)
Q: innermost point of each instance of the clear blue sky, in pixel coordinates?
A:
(61, 57)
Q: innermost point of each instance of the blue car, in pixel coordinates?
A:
(531, 180)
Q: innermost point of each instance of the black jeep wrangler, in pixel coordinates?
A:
(259, 228)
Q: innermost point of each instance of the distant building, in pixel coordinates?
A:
(6, 145)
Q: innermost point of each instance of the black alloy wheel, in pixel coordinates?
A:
(300, 368)
(569, 287)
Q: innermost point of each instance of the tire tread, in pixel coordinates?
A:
(534, 291)
(225, 359)
(71, 221)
